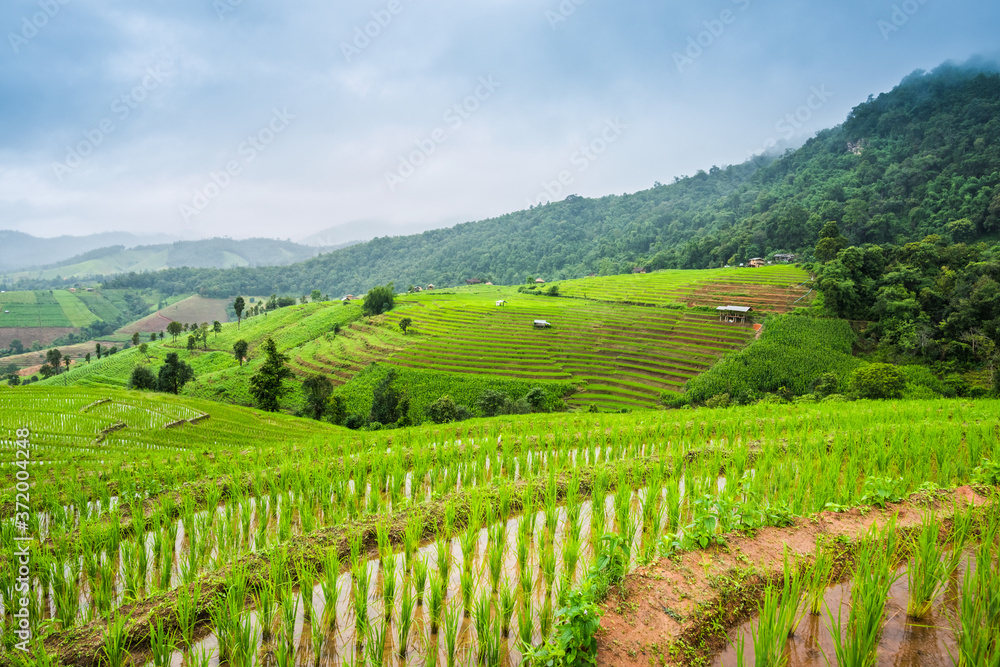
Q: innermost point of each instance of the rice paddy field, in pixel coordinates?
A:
(770, 289)
(44, 308)
(159, 530)
(609, 355)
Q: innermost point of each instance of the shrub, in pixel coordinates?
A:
(878, 381)
(355, 421)
(720, 401)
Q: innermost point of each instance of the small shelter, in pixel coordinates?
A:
(542, 324)
(756, 262)
(539, 280)
(431, 286)
(734, 313)
(784, 258)
(501, 302)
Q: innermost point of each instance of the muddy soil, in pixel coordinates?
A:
(678, 610)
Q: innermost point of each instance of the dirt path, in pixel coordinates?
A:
(676, 611)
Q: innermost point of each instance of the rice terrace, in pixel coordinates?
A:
(193, 529)
(745, 417)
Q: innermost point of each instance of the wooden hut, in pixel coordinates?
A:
(734, 314)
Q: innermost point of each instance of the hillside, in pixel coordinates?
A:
(219, 253)
(21, 251)
(903, 165)
(605, 352)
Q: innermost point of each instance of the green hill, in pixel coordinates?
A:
(603, 350)
(903, 165)
(220, 253)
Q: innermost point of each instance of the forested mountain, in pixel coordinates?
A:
(921, 159)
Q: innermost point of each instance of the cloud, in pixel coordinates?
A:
(363, 103)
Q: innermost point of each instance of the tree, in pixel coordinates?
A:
(267, 384)
(142, 378)
(536, 399)
(152, 336)
(144, 350)
(66, 362)
(830, 242)
(380, 299)
(135, 338)
(492, 403)
(192, 342)
(47, 371)
(404, 324)
(337, 410)
(316, 296)
(203, 335)
(174, 329)
(385, 401)
(87, 358)
(217, 327)
(97, 349)
(174, 374)
(240, 348)
(16, 346)
(238, 306)
(53, 358)
(443, 410)
(878, 381)
(317, 389)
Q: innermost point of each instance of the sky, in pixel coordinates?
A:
(244, 118)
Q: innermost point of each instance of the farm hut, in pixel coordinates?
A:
(430, 287)
(72, 289)
(489, 283)
(734, 313)
(539, 281)
(501, 302)
(542, 324)
(756, 262)
(784, 258)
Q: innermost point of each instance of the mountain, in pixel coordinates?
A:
(922, 159)
(218, 253)
(21, 251)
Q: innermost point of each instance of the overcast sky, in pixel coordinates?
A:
(266, 118)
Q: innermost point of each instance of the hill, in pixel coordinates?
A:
(605, 353)
(21, 251)
(903, 165)
(217, 253)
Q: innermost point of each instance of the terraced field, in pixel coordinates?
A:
(772, 289)
(626, 355)
(170, 531)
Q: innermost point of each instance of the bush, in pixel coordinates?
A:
(878, 381)
(720, 401)
(354, 421)
(380, 300)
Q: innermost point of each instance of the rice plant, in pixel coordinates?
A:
(161, 644)
(407, 605)
(438, 590)
(419, 579)
(927, 572)
(361, 580)
(115, 646)
(186, 611)
(452, 622)
(388, 586)
(331, 587)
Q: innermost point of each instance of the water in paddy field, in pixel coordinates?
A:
(905, 642)
(339, 644)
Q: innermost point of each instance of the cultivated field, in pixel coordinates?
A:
(192, 310)
(164, 527)
(771, 289)
(626, 355)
